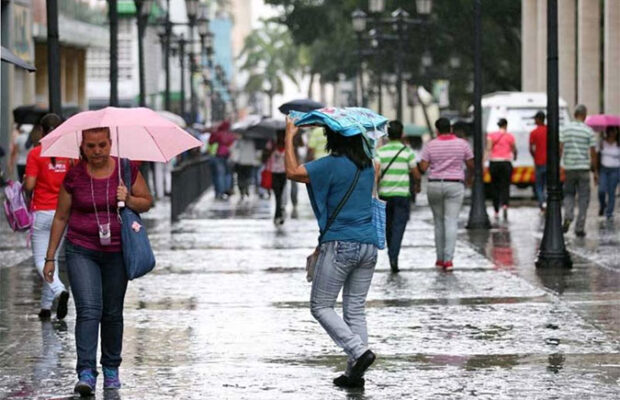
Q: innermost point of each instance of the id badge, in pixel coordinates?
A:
(105, 236)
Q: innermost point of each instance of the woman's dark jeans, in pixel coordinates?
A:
(278, 183)
(501, 176)
(98, 282)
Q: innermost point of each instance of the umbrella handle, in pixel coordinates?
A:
(119, 204)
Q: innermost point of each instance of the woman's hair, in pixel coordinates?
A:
(93, 130)
(611, 129)
(49, 122)
(350, 146)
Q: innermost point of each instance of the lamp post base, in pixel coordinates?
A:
(553, 260)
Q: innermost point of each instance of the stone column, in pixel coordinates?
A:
(589, 55)
(529, 46)
(567, 51)
(541, 50)
(611, 85)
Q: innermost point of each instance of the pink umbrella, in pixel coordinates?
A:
(140, 134)
(602, 121)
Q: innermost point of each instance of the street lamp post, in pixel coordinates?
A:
(478, 217)
(143, 9)
(399, 16)
(552, 252)
(359, 26)
(192, 14)
(164, 33)
(113, 16)
(182, 43)
(53, 58)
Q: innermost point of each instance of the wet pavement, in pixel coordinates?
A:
(225, 315)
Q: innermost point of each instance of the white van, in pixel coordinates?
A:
(518, 108)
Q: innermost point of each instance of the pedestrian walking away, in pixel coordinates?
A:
(87, 205)
(538, 149)
(578, 152)
(20, 148)
(444, 157)
(501, 151)
(243, 154)
(609, 172)
(397, 162)
(44, 176)
(222, 180)
(341, 181)
(275, 163)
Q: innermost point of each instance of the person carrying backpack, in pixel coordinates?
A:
(44, 176)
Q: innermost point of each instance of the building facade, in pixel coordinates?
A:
(588, 49)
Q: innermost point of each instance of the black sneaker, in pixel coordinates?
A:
(44, 315)
(394, 266)
(565, 225)
(580, 234)
(61, 310)
(344, 381)
(362, 364)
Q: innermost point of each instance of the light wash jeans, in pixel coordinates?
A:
(348, 266)
(445, 199)
(40, 239)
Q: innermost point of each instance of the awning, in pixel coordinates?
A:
(9, 57)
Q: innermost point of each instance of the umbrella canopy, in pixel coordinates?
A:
(265, 129)
(31, 114)
(413, 130)
(139, 134)
(245, 123)
(9, 57)
(172, 117)
(602, 121)
(301, 105)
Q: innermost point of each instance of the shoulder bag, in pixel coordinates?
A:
(312, 259)
(378, 212)
(137, 252)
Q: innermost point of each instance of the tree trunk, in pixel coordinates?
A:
(310, 93)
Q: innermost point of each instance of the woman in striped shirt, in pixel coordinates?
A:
(444, 157)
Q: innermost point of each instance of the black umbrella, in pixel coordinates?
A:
(9, 57)
(265, 129)
(302, 105)
(31, 114)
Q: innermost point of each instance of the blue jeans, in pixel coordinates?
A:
(397, 210)
(222, 179)
(607, 183)
(541, 184)
(348, 266)
(98, 282)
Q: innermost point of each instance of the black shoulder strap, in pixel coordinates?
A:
(390, 163)
(332, 217)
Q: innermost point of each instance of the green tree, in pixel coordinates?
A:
(325, 27)
(268, 55)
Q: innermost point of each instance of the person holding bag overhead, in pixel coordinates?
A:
(340, 187)
(87, 204)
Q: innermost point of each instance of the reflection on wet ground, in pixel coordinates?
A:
(225, 315)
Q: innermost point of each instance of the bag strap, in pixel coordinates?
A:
(126, 168)
(390, 163)
(340, 205)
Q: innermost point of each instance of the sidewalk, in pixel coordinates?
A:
(225, 315)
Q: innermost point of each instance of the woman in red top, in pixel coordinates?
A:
(44, 175)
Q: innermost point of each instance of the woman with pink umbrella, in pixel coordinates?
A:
(609, 171)
(88, 204)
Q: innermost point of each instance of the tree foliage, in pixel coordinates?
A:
(326, 28)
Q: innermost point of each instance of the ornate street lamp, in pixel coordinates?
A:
(376, 6)
(424, 7)
(164, 29)
(192, 9)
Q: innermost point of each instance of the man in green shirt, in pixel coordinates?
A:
(577, 149)
(397, 163)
